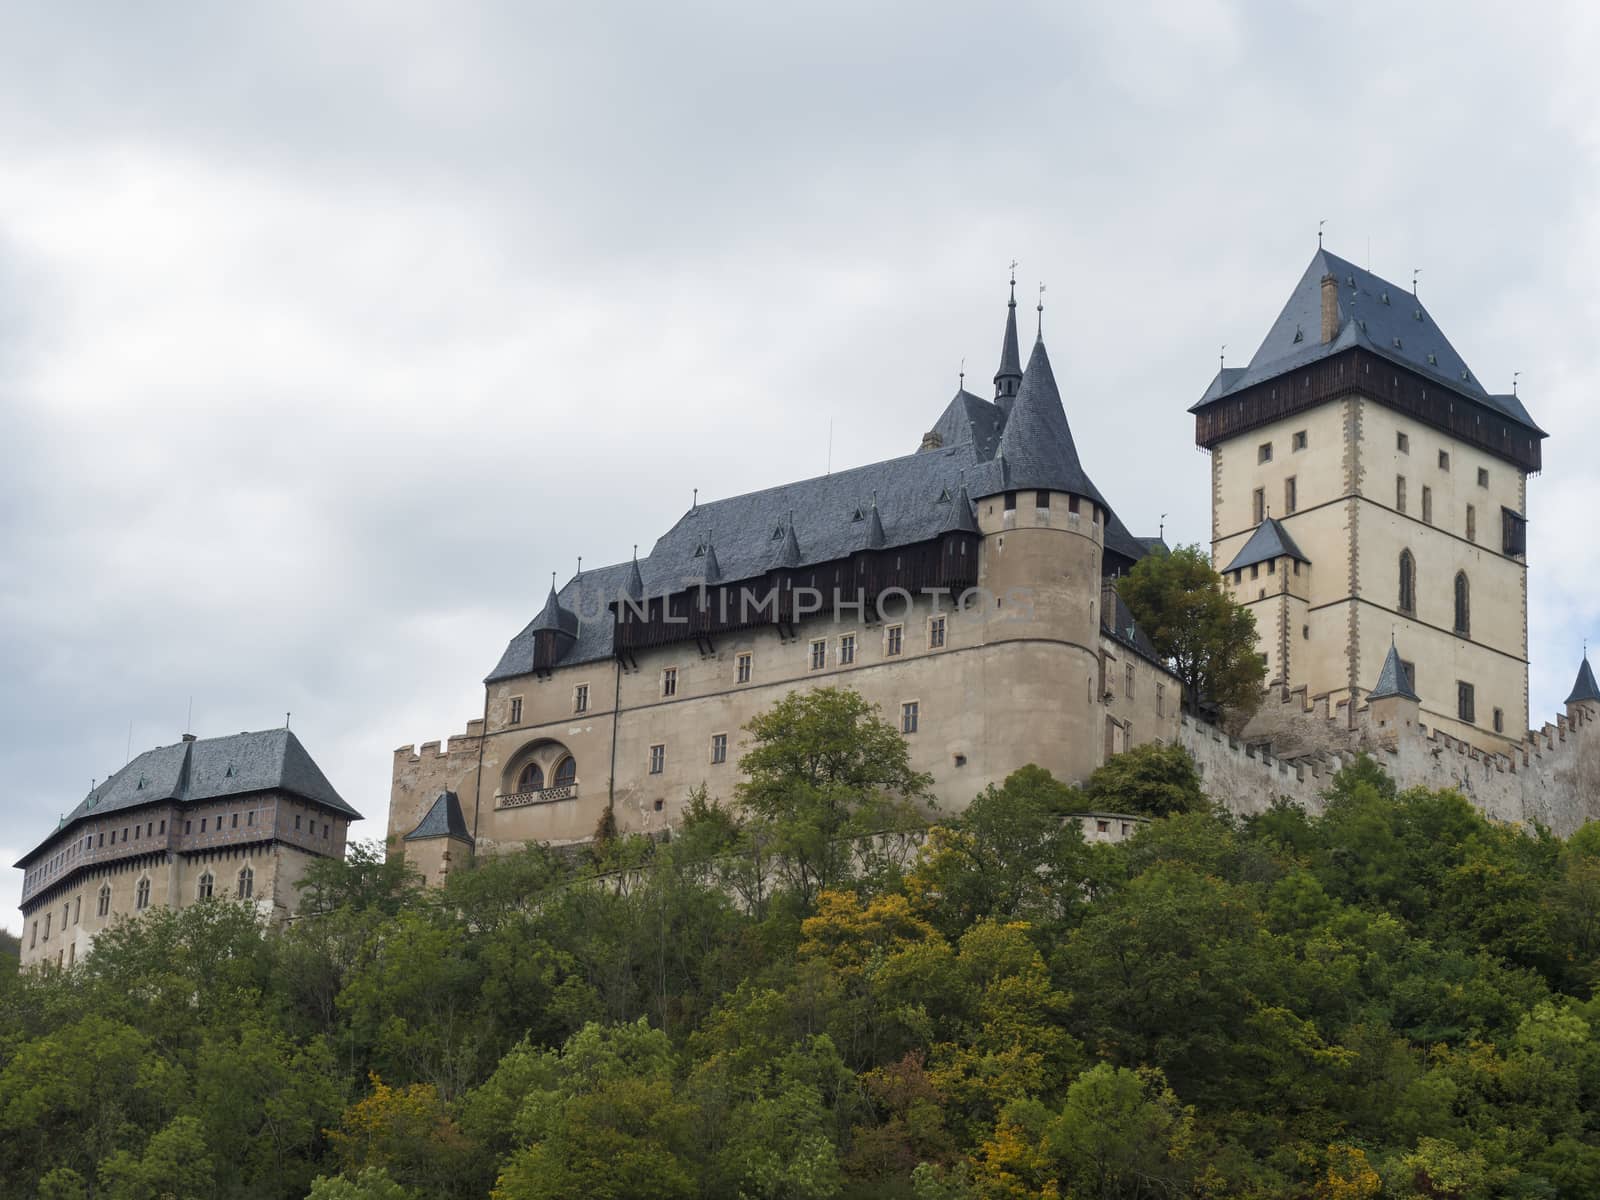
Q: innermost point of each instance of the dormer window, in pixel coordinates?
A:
(777, 533)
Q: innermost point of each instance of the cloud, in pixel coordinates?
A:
(328, 331)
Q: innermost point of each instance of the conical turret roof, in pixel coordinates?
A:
(874, 538)
(634, 584)
(1037, 444)
(960, 517)
(1584, 687)
(789, 548)
(1009, 375)
(556, 616)
(1393, 680)
(713, 569)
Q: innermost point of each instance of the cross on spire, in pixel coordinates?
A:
(1040, 309)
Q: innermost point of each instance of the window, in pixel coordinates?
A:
(847, 649)
(138, 832)
(1161, 699)
(1255, 570)
(1463, 605)
(1514, 532)
(141, 895)
(936, 633)
(1102, 826)
(188, 827)
(1472, 524)
(77, 908)
(1408, 582)
(819, 654)
(1291, 500)
(1041, 499)
(296, 823)
(1127, 689)
(33, 939)
(744, 668)
(516, 710)
(1300, 440)
(1464, 702)
(669, 681)
(1258, 506)
(1427, 505)
(1402, 443)
(247, 884)
(908, 717)
(531, 779)
(566, 772)
(1011, 501)
(893, 640)
(1499, 721)
(1483, 476)
(1399, 493)
(658, 759)
(1444, 460)
(580, 698)
(324, 831)
(233, 821)
(719, 747)
(205, 887)
(1264, 452)
(249, 818)
(163, 828)
(46, 927)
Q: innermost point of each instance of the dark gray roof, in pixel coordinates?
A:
(210, 769)
(1373, 313)
(970, 420)
(554, 616)
(1393, 680)
(960, 518)
(1584, 687)
(443, 819)
(1154, 545)
(712, 569)
(1116, 620)
(1036, 449)
(1270, 540)
(633, 583)
(789, 546)
(1010, 355)
(874, 538)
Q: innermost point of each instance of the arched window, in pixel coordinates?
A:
(247, 884)
(105, 899)
(206, 886)
(1408, 582)
(1463, 604)
(566, 771)
(532, 778)
(141, 895)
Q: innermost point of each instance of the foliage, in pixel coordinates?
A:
(1393, 998)
(1179, 602)
(1150, 779)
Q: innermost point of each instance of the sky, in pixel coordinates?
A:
(329, 330)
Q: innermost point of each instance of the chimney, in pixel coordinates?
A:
(931, 440)
(1330, 308)
(188, 737)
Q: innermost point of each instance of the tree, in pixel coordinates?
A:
(1210, 642)
(1150, 779)
(825, 768)
(371, 1183)
(1121, 1134)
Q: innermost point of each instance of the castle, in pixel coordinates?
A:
(239, 816)
(1368, 502)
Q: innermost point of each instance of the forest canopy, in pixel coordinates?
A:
(1394, 998)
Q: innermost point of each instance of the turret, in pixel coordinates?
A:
(1393, 702)
(1008, 379)
(1585, 693)
(555, 630)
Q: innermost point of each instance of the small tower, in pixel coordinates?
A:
(1393, 703)
(1585, 695)
(554, 630)
(441, 841)
(1008, 379)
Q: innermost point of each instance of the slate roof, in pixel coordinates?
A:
(1116, 620)
(1584, 688)
(1373, 313)
(917, 497)
(555, 616)
(1010, 356)
(210, 769)
(443, 819)
(1270, 540)
(1036, 449)
(1392, 680)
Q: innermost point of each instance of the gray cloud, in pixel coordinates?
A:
(328, 331)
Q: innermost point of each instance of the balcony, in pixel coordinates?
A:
(549, 795)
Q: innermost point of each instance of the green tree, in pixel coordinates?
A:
(1149, 779)
(371, 1183)
(1209, 641)
(824, 768)
(1122, 1135)
(176, 1162)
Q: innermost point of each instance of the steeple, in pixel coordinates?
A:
(713, 569)
(875, 537)
(789, 551)
(1584, 688)
(960, 518)
(635, 581)
(1393, 679)
(1008, 379)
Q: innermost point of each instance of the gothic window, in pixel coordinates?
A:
(206, 886)
(1463, 604)
(105, 900)
(141, 895)
(566, 772)
(531, 779)
(1408, 582)
(247, 884)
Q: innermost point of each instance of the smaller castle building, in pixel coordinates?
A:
(239, 816)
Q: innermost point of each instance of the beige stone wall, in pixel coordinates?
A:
(219, 837)
(1021, 677)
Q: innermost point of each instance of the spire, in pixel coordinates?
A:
(713, 569)
(1393, 680)
(960, 517)
(1039, 336)
(1584, 688)
(635, 582)
(554, 615)
(1009, 377)
(789, 551)
(1037, 446)
(876, 540)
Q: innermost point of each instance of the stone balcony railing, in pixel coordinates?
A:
(565, 791)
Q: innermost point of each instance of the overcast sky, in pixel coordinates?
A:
(328, 331)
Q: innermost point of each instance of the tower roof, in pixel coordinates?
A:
(1373, 313)
(1270, 540)
(444, 818)
(874, 537)
(555, 616)
(713, 569)
(1037, 446)
(633, 582)
(1010, 357)
(1393, 680)
(961, 517)
(1584, 687)
(789, 550)
(969, 420)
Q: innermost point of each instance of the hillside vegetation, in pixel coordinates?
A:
(1392, 999)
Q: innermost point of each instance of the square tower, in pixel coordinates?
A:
(1359, 446)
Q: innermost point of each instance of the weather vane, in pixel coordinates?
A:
(1320, 224)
